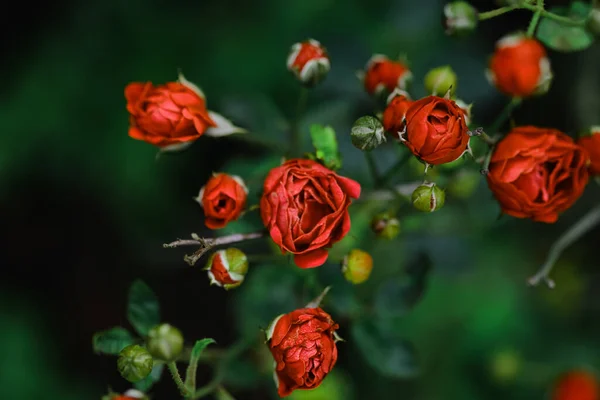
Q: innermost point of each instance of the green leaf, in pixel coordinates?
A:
(326, 146)
(190, 375)
(563, 37)
(395, 297)
(112, 341)
(384, 350)
(146, 384)
(142, 310)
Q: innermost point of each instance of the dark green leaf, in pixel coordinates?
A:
(397, 296)
(562, 37)
(146, 384)
(384, 350)
(143, 309)
(200, 346)
(112, 341)
(326, 146)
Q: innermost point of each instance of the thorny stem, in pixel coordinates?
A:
(536, 17)
(586, 223)
(207, 244)
(177, 378)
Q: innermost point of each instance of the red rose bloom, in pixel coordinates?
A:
(576, 385)
(309, 61)
(223, 199)
(394, 115)
(537, 173)
(591, 143)
(165, 115)
(305, 208)
(519, 66)
(436, 130)
(384, 74)
(303, 346)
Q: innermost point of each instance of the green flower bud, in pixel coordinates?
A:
(593, 22)
(459, 18)
(385, 226)
(464, 183)
(367, 133)
(134, 363)
(428, 197)
(505, 365)
(165, 342)
(441, 79)
(227, 268)
(357, 266)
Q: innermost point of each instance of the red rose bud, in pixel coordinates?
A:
(428, 197)
(303, 345)
(309, 62)
(304, 206)
(590, 141)
(385, 226)
(394, 115)
(134, 363)
(131, 394)
(367, 133)
(436, 130)
(227, 268)
(440, 80)
(520, 67)
(576, 385)
(537, 173)
(459, 18)
(357, 266)
(223, 199)
(382, 74)
(165, 342)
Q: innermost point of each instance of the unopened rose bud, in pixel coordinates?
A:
(309, 62)
(440, 80)
(459, 18)
(385, 226)
(428, 197)
(165, 342)
(357, 266)
(367, 133)
(464, 183)
(593, 22)
(590, 140)
(135, 363)
(227, 268)
(576, 385)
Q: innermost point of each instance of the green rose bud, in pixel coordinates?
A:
(367, 133)
(593, 22)
(385, 226)
(134, 363)
(428, 197)
(165, 342)
(459, 18)
(227, 268)
(440, 80)
(463, 183)
(357, 266)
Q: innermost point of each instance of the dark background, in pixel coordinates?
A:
(84, 209)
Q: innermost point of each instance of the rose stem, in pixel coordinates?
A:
(506, 111)
(497, 12)
(536, 18)
(586, 223)
(295, 142)
(177, 378)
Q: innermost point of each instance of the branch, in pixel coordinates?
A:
(497, 12)
(586, 223)
(207, 244)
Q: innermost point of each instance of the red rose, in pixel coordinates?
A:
(305, 208)
(394, 115)
(167, 114)
(223, 199)
(591, 142)
(519, 66)
(436, 130)
(537, 173)
(303, 346)
(309, 61)
(384, 74)
(576, 385)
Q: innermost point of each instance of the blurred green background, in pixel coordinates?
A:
(85, 209)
